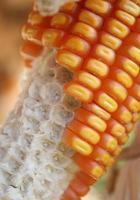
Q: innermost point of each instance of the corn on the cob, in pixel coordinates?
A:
(100, 44)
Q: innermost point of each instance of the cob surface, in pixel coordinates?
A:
(99, 41)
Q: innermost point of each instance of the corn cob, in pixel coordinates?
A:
(100, 44)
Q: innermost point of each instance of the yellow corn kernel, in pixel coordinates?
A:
(79, 92)
(90, 135)
(99, 7)
(129, 127)
(134, 105)
(60, 20)
(125, 116)
(97, 171)
(81, 146)
(132, 68)
(69, 60)
(50, 37)
(111, 144)
(85, 31)
(117, 28)
(29, 33)
(124, 78)
(108, 103)
(106, 159)
(35, 18)
(90, 18)
(125, 17)
(105, 53)
(134, 52)
(77, 44)
(69, 7)
(118, 130)
(97, 123)
(130, 7)
(110, 41)
(136, 117)
(117, 151)
(97, 67)
(89, 80)
(118, 90)
(98, 111)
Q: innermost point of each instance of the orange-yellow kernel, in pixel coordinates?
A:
(89, 80)
(117, 130)
(28, 33)
(98, 111)
(136, 117)
(60, 20)
(109, 142)
(81, 146)
(69, 7)
(125, 17)
(134, 53)
(133, 104)
(125, 116)
(68, 60)
(35, 18)
(100, 7)
(124, 78)
(130, 7)
(110, 41)
(90, 18)
(129, 127)
(97, 171)
(105, 53)
(131, 67)
(117, 28)
(97, 67)
(117, 151)
(84, 30)
(102, 157)
(51, 37)
(118, 90)
(77, 44)
(90, 135)
(80, 92)
(97, 123)
(108, 103)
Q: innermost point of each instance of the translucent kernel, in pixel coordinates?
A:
(85, 31)
(77, 45)
(110, 41)
(97, 67)
(100, 7)
(124, 115)
(125, 17)
(90, 18)
(108, 103)
(104, 53)
(134, 53)
(117, 28)
(68, 60)
(89, 80)
(109, 143)
(80, 92)
(97, 171)
(117, 129)
(132, 68)
(124, 78)
(130, 7)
